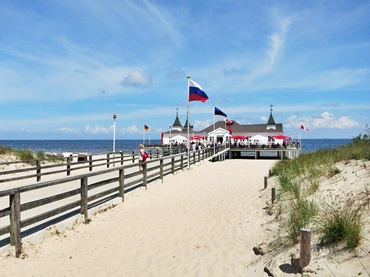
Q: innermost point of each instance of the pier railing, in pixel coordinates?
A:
(35, 206)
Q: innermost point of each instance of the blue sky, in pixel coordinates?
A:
(66, 66)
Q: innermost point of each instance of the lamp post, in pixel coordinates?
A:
(114, 132)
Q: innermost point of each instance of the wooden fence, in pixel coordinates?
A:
(67, 165)
(40, 205)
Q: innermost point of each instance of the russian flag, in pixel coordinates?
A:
(196, 92)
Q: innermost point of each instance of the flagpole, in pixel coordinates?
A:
(188, 144)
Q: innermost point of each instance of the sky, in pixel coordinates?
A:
(66, 66)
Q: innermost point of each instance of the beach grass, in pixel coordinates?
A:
(28, 156)
(299, 178)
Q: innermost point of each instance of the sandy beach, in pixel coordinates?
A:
(199, 222)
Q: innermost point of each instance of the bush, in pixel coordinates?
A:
(340, 224)
(300, 215)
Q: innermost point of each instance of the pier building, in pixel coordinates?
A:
(251, 139)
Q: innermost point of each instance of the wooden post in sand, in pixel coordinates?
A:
(161, 169)
(173, 165)
(273, 195)
(84, 201)
(305, 249)
(121, 187)
(265, 182)
(15, 223)
(145, 172)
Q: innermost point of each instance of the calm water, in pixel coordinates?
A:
(106, 146)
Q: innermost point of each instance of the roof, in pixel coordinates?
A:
(271, 120)
(245, 129)
(177, 123)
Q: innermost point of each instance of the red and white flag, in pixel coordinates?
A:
(303, 127)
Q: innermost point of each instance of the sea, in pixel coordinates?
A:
(127, 146)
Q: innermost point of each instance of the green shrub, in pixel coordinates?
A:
(300, 214)
(340, 224)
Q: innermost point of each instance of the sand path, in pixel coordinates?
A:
(200, 222)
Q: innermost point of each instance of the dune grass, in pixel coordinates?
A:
(299, 178)
(28, 156)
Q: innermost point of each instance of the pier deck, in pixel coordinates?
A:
(262, 153)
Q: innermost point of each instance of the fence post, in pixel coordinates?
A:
(133, 156)
(273, 195)
(150, 154)
(69, 165)
(90, 163)
(173, 165)
(305, 249)
(108, 160)
(15, 223)
(182, 162)
(121, 157)
(193, 157)
(38, 170)
(145, 172)
(121, 188)
(161, 169)
(157, 153)
(198, 156)
(84, 195)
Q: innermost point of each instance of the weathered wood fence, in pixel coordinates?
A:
(38, 203)
(75, 163)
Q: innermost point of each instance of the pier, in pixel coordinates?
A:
(263, 152)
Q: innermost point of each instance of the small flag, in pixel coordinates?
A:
(196, 92)
(229, 122)
(146, 128)
(219, 112)
(303, 127)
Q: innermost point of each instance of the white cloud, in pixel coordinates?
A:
(132, 130)
(324, 120)
(68, 130)
(97, 129)
(136, 79)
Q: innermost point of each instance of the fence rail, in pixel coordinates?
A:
(41, 204)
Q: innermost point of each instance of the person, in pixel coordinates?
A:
(141, 156)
